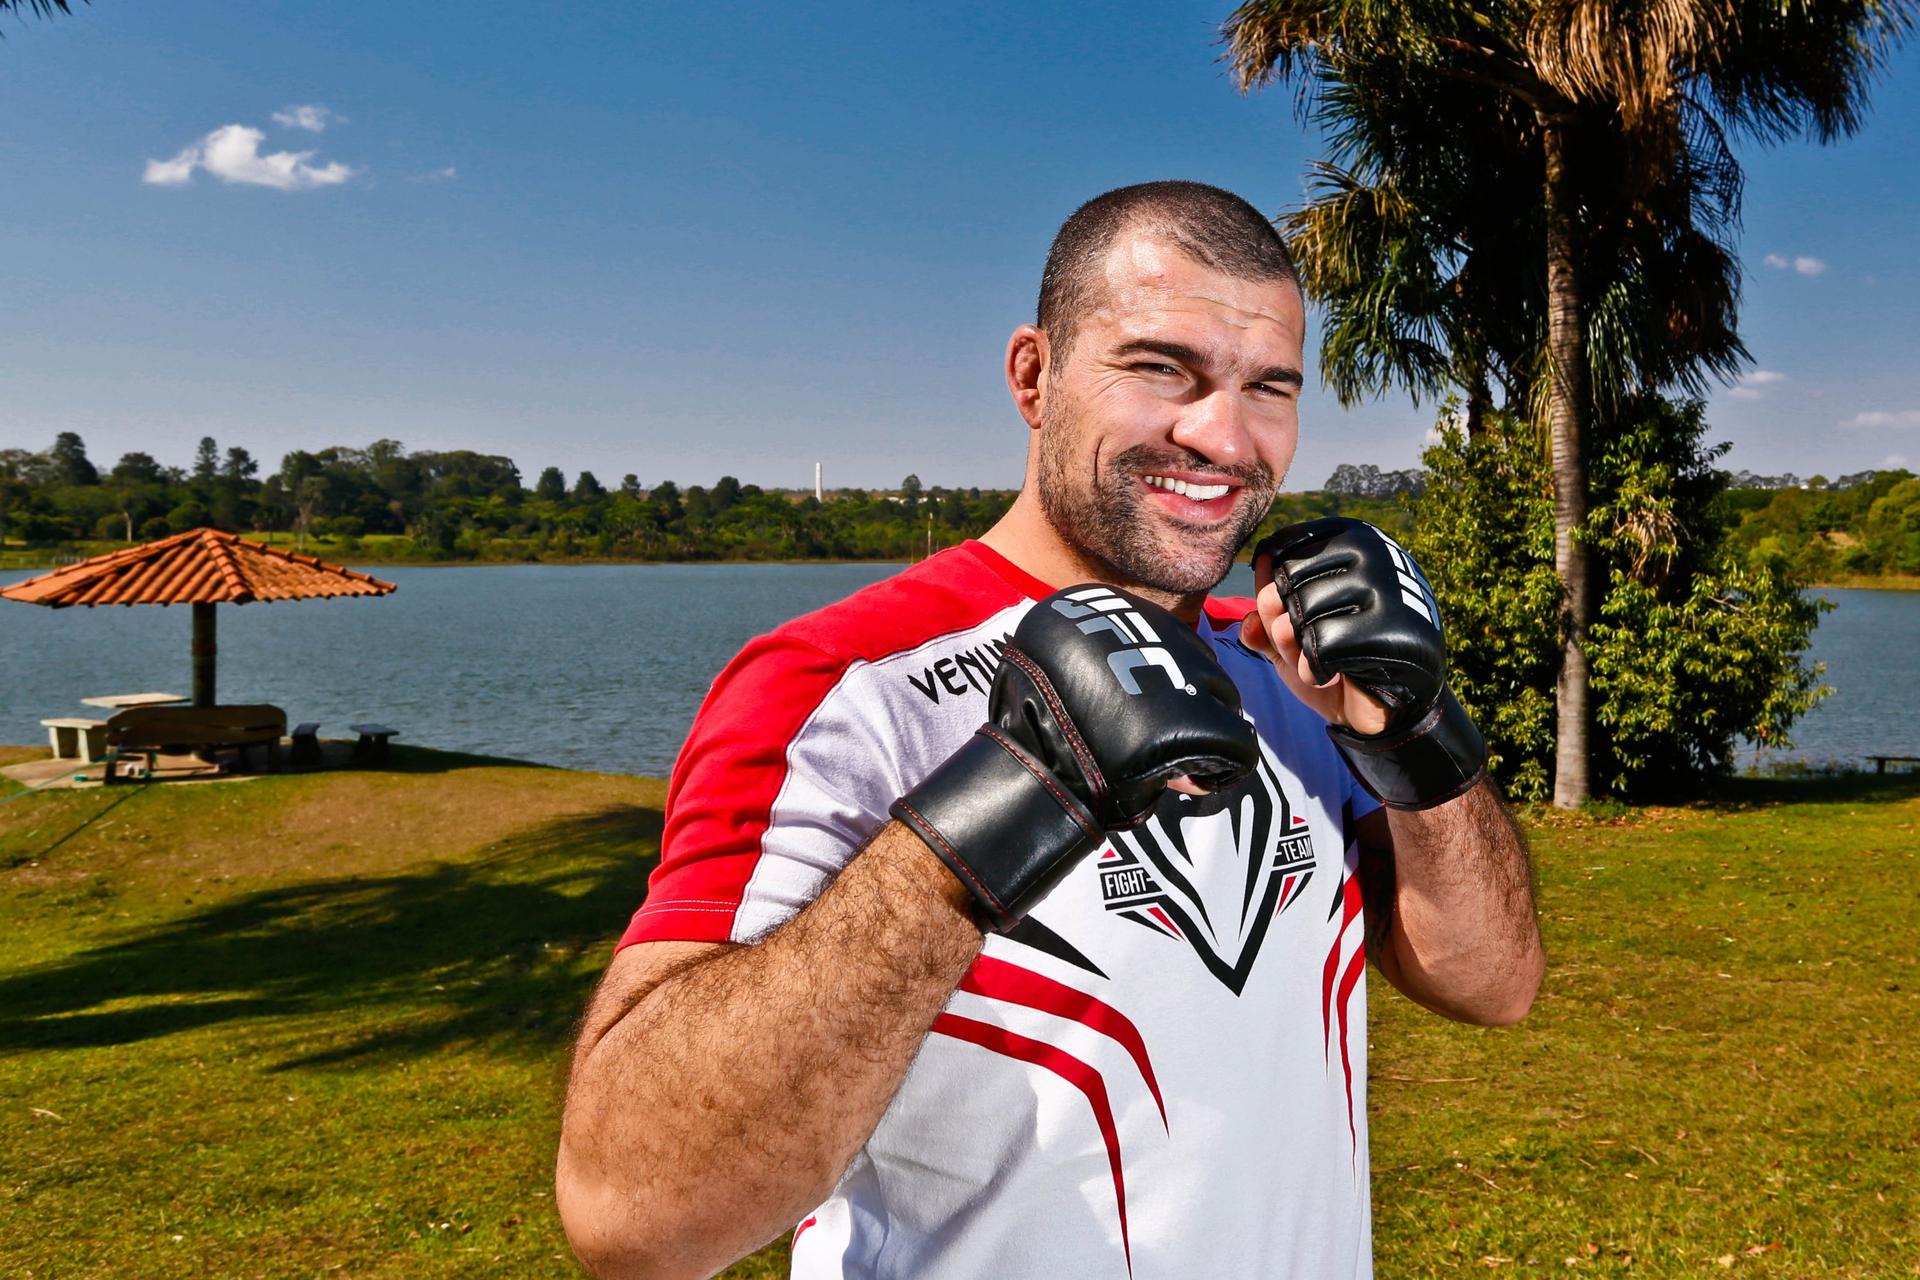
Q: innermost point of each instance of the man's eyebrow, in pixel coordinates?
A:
(1191, 356)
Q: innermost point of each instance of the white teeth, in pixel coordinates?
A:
(1198, 492)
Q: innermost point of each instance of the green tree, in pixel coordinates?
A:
(1892, 528)
(668, 509)
(1608, 116)
(69, 460)
(310, 502)
(239, 466)
(551, 486)
(587, 488)
(1693, 646)
(206, 461)
(138, 468)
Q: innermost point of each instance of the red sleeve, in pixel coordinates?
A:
(721, 796)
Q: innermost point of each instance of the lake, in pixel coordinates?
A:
(602, 666)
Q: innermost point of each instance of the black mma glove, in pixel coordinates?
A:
(1099, 699)
(1362, 609)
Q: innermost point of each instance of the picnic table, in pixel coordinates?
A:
(79, 738)
(121, 701)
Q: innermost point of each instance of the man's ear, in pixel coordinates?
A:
(1028, 357)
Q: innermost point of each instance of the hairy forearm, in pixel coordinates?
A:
(709, 1112)
(1464, 938)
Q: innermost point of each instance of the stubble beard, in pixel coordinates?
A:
(1115, 524)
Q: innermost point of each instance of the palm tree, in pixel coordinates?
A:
(38, 8)
(1610, 122)
(1424, 243)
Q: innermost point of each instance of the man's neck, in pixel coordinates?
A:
(1027, 538)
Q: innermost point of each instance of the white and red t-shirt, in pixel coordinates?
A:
(1162, 1072)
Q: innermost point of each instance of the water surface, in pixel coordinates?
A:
(603, 666)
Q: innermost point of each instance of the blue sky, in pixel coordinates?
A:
(682, 241)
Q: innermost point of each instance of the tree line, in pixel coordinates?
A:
(461, 505)
(397, 504)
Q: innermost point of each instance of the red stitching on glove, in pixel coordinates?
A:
(1088, 766)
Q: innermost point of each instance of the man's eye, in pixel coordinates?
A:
(1151, 367)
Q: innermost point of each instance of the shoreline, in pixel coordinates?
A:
(1895, 582)
(353, 562)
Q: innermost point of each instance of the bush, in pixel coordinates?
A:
(1694, 645)
(1484, 534)
(1893, 528)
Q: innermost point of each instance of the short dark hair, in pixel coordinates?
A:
(1211, 226)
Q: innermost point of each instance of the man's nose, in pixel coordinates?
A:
(1214, 426)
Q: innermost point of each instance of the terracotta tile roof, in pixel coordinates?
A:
(202, 566)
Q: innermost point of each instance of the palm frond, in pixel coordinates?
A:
(38, 8)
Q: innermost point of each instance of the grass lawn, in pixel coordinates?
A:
(315, 1024)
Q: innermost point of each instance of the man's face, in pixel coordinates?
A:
(1167, 427)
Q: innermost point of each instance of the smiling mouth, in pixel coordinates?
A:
(1188, 489)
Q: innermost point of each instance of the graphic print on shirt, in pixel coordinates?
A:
(1213, 871)
(1350, 945)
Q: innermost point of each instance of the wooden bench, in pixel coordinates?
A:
(1880, 763)
(306, 743)
(147, 731)
(77, 738)
(372, 741)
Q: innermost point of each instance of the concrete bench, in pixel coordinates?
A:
(77, 738)
(371, 743)
(306, 743)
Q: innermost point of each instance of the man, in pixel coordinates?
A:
(850, 1001)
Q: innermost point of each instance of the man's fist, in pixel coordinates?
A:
(1100, 699)
(1361, 609)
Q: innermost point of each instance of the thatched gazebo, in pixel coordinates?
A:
(203, 568)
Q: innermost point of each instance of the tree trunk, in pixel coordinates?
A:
(1478, 401)
(1567, 421)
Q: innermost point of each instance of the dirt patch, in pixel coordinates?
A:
(15, 755)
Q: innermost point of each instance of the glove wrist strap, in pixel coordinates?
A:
(1440, 756)
(1001, 823)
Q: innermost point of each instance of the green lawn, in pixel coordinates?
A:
(315, 1025)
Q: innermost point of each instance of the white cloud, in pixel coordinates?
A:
(1895, 460)
(1884, 418)
(1747, 385)
(1804, 264)
(312, 117)
(171, 173)
(231, 153)
(447, 174)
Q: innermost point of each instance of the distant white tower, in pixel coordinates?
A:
(817, 495)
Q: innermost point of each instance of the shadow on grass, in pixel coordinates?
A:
(1816, 788)
(415, 760)
(489, 953)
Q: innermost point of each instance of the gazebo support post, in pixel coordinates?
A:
(204, 649)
